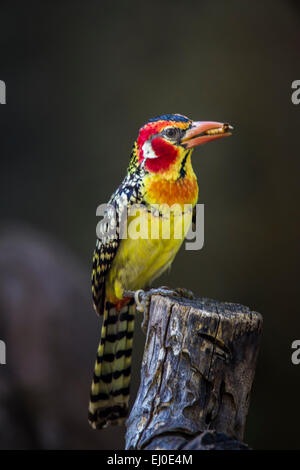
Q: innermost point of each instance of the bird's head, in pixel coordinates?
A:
(164, 143)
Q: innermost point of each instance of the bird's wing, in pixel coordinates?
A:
(104, 254)
(109, 229)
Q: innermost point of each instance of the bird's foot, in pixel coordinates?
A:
(142, 299)
(183, 292)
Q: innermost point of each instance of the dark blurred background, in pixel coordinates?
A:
(81, 78)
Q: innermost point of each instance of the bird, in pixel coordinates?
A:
(160, 174)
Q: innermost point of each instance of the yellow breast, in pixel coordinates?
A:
(149, 250)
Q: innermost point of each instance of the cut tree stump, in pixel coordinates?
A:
(197, 373)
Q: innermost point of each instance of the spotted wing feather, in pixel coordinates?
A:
(109, 230)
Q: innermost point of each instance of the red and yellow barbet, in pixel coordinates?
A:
(160, 172)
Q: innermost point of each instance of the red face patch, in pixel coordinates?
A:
(165, 151)
(146, 132)
(166, 155)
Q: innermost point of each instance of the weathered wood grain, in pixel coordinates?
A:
(197, 372)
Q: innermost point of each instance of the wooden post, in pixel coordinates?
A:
(197, 373)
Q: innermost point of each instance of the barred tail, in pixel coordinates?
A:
(110, 387)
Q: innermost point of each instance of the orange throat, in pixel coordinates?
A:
(180, 191)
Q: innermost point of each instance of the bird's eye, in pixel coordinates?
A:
(171, 132)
